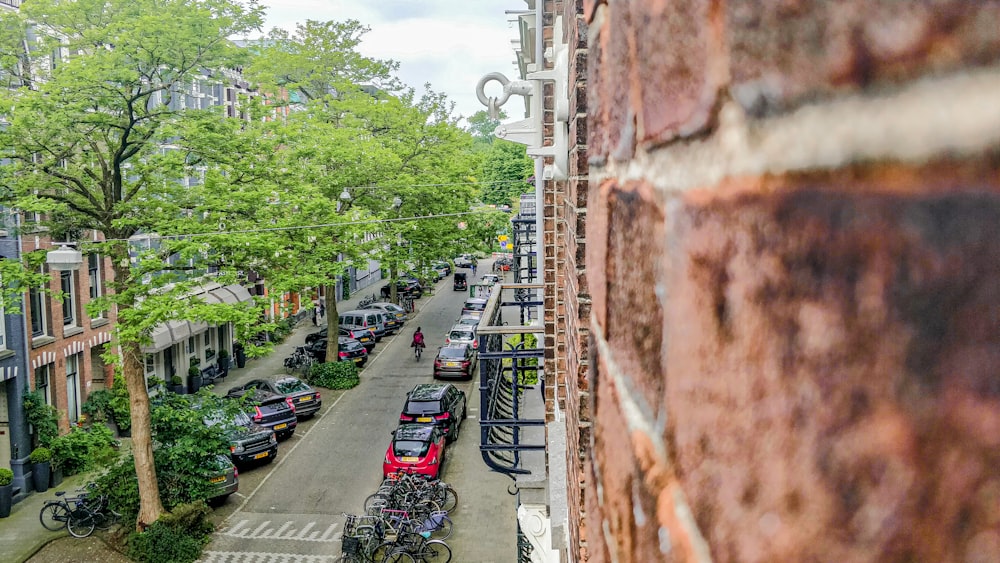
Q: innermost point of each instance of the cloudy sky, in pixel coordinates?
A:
(449, 43)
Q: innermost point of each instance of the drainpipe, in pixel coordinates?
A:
(20, 439)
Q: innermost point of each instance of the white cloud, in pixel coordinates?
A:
(447, 43)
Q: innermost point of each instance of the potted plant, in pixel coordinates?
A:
(6, 491)
(240, 355)
(196, 379)
(41, 468)
(223, 362)
(177, 385)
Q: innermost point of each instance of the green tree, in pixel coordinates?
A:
(506, 172)
(87, 138)
(481, 126)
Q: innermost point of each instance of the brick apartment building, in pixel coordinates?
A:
(784, 344)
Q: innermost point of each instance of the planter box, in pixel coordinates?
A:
(40, 475)
(6, 499)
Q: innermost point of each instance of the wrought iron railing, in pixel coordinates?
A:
(510, 358)
(11, 3)
(524, 548)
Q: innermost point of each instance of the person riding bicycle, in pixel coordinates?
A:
(418, 339)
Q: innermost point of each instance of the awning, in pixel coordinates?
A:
(173, 332)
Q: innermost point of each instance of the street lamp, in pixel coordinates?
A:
(65, 258)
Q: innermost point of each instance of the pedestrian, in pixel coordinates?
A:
(473, 269)
(322, 309)
(315, 316)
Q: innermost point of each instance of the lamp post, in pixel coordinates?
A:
(66, 258)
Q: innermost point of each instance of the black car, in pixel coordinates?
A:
(440, 404)
(248, 442)
(459, 282)
(455, 360)
(306, 399)
(409, 288)
(269, 410)
(348, 350)
(365, 337)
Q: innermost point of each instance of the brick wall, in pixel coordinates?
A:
(793, 261)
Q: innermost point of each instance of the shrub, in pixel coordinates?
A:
(334, 375)
(84, 450)
(177, 537)
(176, 380)
(42, 416)
(6, 476)
(40, 455)
(119, 404)
(97, 407)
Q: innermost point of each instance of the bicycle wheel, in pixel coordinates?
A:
(448, 499)
(399, 557)
(444, 528)
(435, 551)
(105, 519)
(53, 516)
(80, 523)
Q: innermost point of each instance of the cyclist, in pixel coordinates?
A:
(418, 340)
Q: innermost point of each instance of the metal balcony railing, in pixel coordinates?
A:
(510, 369)
(11, 3)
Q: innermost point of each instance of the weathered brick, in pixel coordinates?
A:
(612, 126)
(675, 46)
(597, 249)
(785, 52)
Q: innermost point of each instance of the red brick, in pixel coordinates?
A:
(597, 249)
(589, 7)
(782, 51)
(832, 358)
(675, 45)
(611, 126)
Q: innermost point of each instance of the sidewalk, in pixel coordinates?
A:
(22, 534)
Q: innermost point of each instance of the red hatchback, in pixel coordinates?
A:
(415, 449)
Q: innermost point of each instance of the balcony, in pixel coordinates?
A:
(11, 3)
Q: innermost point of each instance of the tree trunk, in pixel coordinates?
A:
(393, 290)
(133, 370)
(332, 325)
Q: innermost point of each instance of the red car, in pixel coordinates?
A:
(415, 448)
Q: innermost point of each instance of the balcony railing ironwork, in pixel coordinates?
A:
(11, 3)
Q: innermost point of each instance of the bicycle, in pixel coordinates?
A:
(417, 351)
(365, 301)
(406, 303)
(91, 513)
(298, 361)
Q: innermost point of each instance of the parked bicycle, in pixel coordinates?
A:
(365, 301)
(299, 361)
(406, 303)
(80, 515)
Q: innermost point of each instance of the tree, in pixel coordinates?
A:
(481, 126)
(505, 173)
(88, 138)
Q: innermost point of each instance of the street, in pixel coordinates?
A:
(292, 510)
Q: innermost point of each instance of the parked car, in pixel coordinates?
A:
(442, 267)
(465, 261)
(269, 410)
(490, 279)
(224, 479)
(415, 449)
(248, 442)
(463, 334)
(455, 360)
(409, 288)
(389, 321)
(440, 404)
(474, 306)
(459, 283)
(348, 350)
(364, 319)
(469, 320)
(502, 264)
(390, 308)
(306, 399)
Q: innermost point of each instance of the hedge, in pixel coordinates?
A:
(334, 375)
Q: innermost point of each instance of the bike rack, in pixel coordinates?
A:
(505, 367)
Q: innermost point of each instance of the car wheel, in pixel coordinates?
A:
(455, 431)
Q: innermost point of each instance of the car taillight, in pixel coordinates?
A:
(444, 416)
(342, 354)
(437, 363)
(290, 402)
(258, 416)
(405, 417)
(475, 344)
(318, 397)
(387, 460)
(466, 363)
(232, 449)
(447, 340)
(236, 472)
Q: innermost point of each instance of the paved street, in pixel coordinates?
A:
(292, 509)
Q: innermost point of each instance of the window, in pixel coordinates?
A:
(36, 300)
(42, 381)
(190, 345)
(69, 298)
(150, 361)
(73, 387)
(94, 270)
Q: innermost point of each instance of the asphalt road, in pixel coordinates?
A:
(291, 510)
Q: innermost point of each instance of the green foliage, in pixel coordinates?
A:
(506, 171)
(334, 375)
(118, 402)
(176, 380)
(177, 537)
(527, 375)
(481, 125)
(84, 449)
(98, 405)
(6, 476)
(40, 455)
(42, 416)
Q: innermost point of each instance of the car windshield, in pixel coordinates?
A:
(291, 386)
(452, 352)
(423, 407)
(394, 308)
(461, 335)
(410, 448)
(475, 306)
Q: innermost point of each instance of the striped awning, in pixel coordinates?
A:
(174, 332)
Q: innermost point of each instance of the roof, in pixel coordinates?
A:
(426, 391)
(414, 432)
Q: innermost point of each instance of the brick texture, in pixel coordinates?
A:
(782, 355)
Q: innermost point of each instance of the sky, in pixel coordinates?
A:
(449, 43)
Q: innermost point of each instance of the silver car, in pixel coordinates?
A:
(390, 308)
(463, 334)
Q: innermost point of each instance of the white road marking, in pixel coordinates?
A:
(243, 530)
(263, 557)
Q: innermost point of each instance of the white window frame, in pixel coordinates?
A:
(40, 310)
(45, 370)
(96, 277)
(73, 371)
(70, 298)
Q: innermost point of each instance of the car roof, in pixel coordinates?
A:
(424, 391)
(463, 345)
(414, 432)
(463, 328)
(475, 300)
